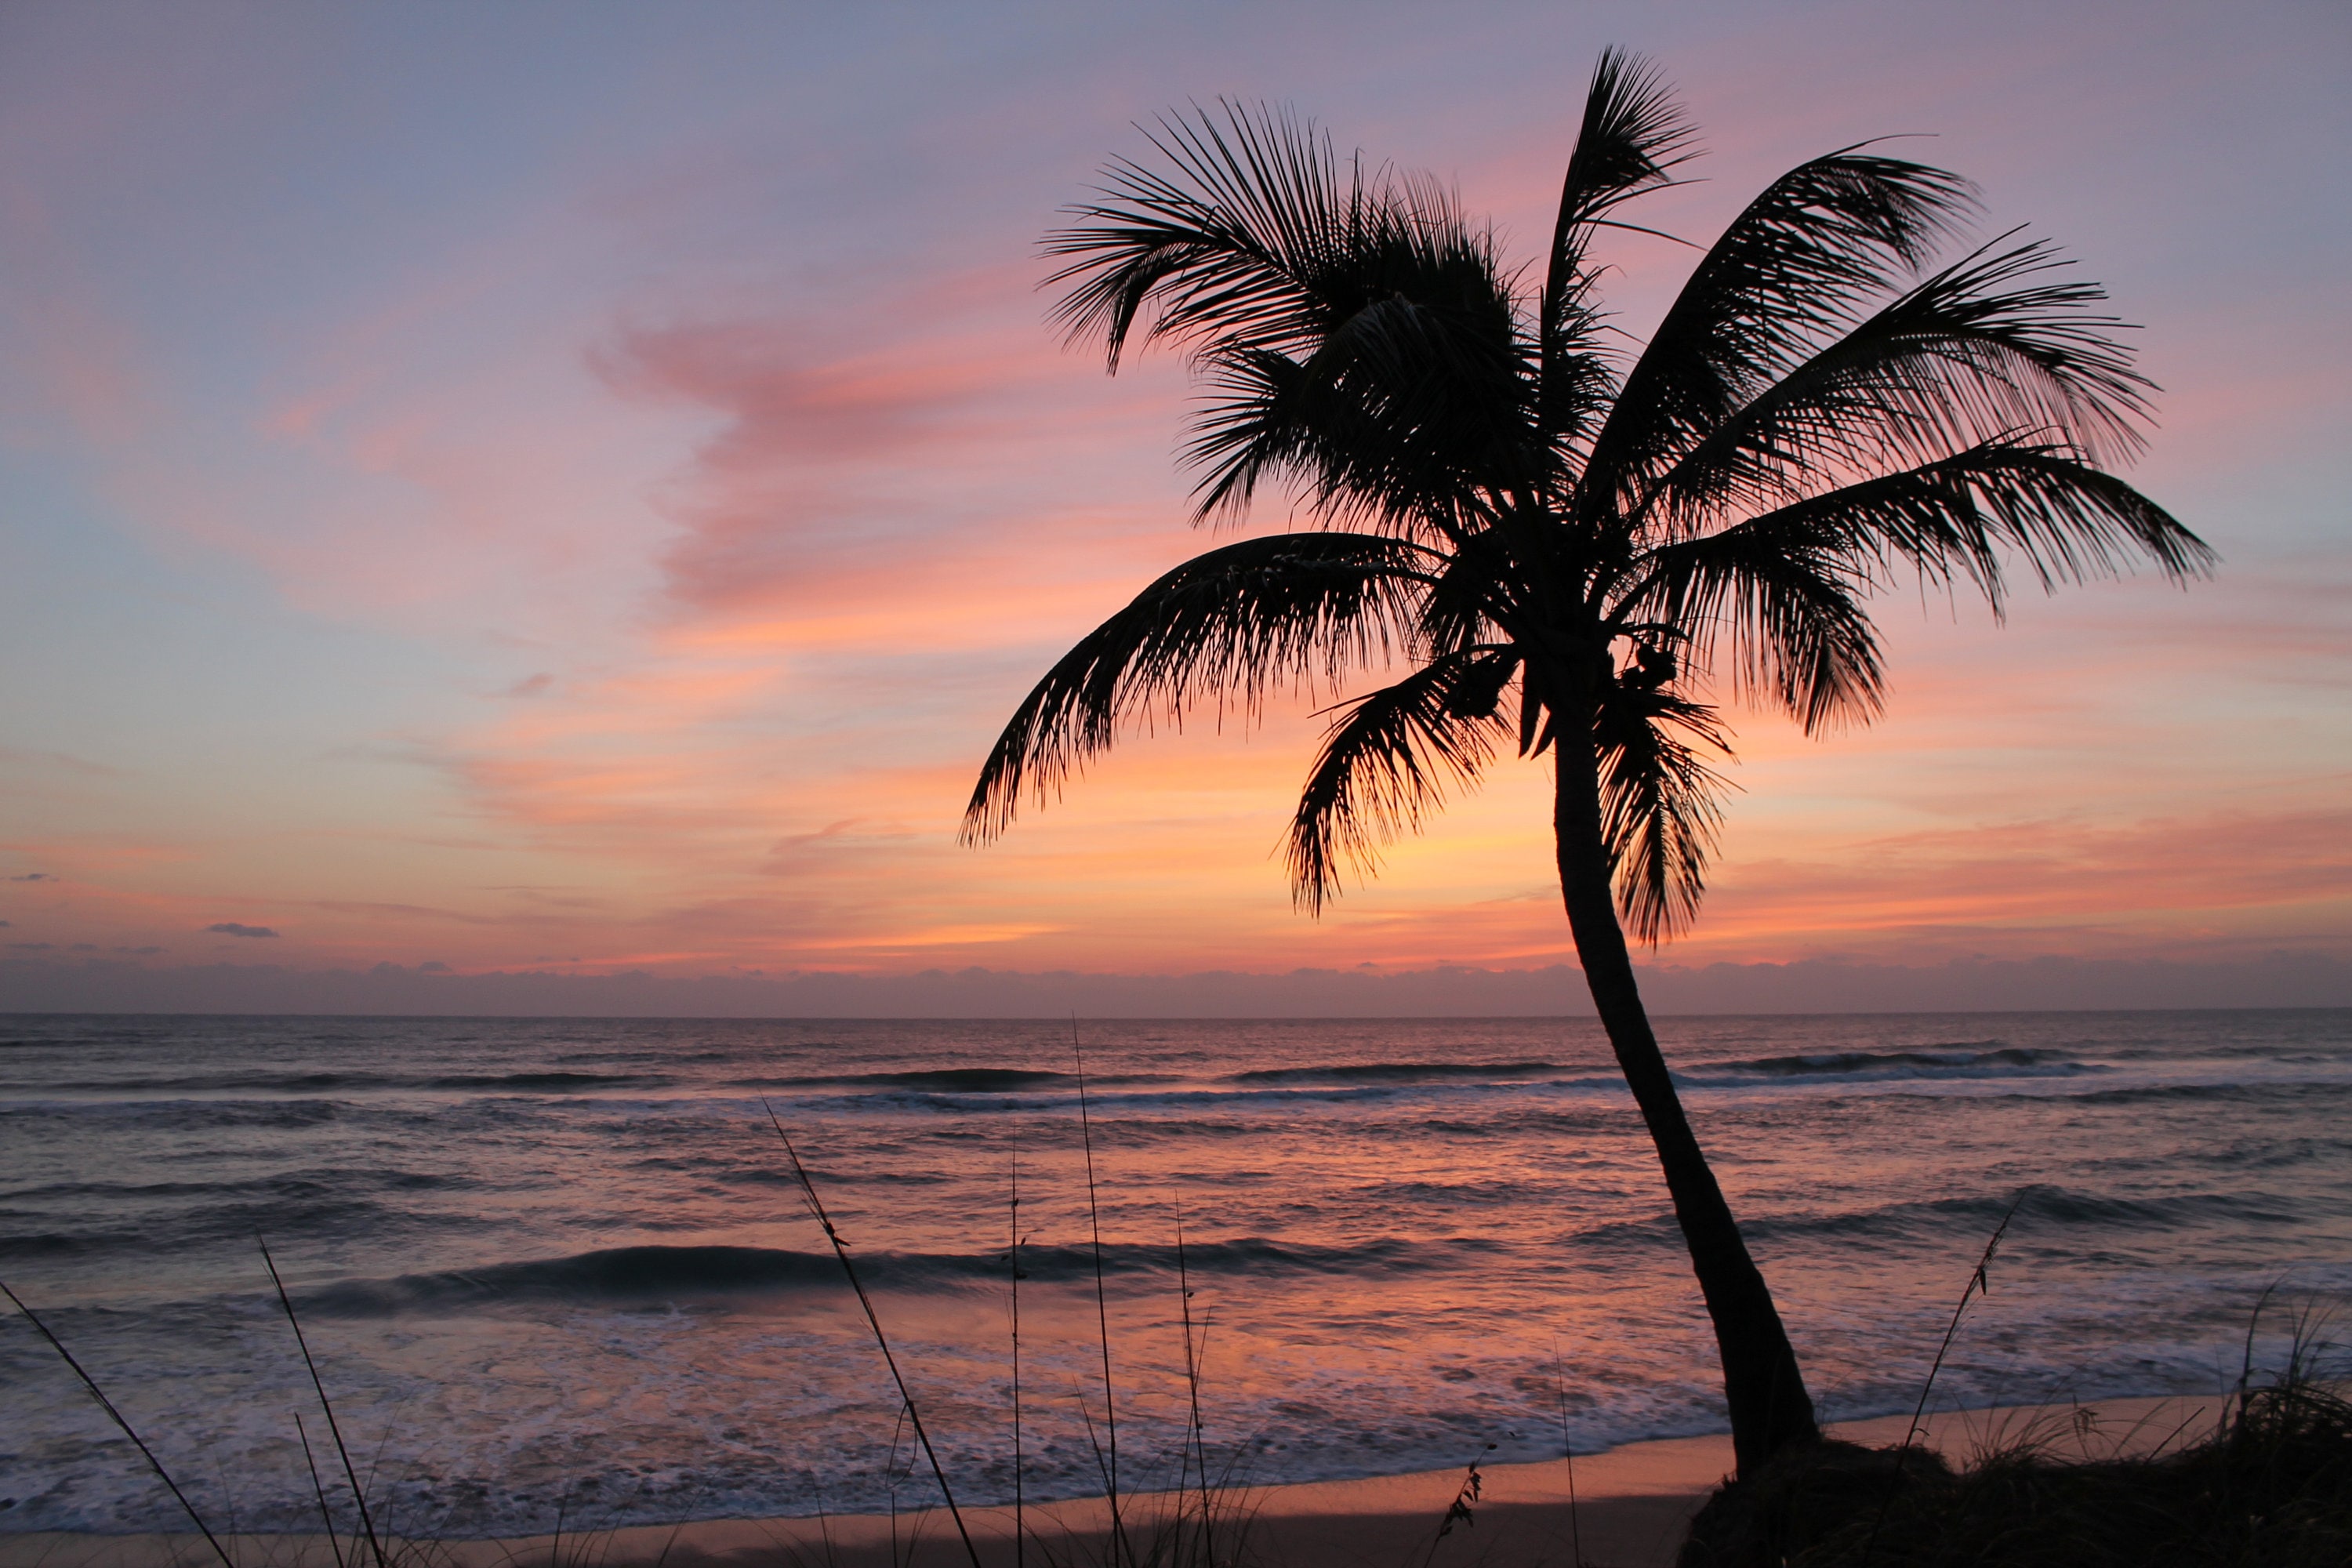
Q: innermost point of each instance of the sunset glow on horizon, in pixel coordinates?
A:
(579, 492)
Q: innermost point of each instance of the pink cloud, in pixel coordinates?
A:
(844, 472)
(782, 400)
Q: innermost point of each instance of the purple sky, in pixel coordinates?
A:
(575, 488)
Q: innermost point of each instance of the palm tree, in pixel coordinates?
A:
(1568, 547)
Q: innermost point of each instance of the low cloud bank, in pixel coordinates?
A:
(2279, 980)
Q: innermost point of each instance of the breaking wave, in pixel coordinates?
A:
(644, 1274)
(1999, 1061)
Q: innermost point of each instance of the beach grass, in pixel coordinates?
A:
(2269, 1484)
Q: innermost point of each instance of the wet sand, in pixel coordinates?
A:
(1626, 1508)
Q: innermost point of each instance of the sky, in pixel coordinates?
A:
(573, 490)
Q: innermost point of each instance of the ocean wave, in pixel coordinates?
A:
(2000, 1061)
(942, 1080)
(2105, 1211)
(657, 1273)
(2038, 1208)
(1207, 1101)
(179, 1115)
(218, 1082)
(292, 1188)
(1398, 1072)
(985, 1090)
(326, 1083)
(450, 1239)
(966, 1080)
(2241, 1090)
(542, 1082)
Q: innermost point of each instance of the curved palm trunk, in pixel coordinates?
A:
(1769, 1407)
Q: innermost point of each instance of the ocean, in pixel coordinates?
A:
(560, 1266)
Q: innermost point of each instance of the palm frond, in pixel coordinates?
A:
(1475, 596)
(1784, 591)
(1659, 811)
(1990, 348)
(1633, 134)
(1792, 270)
(1387, 759)
(1355, 332)
(1785, 586)
(1406, 414)
(1227, 625)
(1233, 237)
(1254, 233)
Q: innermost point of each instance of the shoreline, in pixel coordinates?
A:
(1632, 1504)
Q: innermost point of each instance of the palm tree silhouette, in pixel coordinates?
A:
(1568, 545)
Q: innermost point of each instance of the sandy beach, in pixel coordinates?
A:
(1625, 1508)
